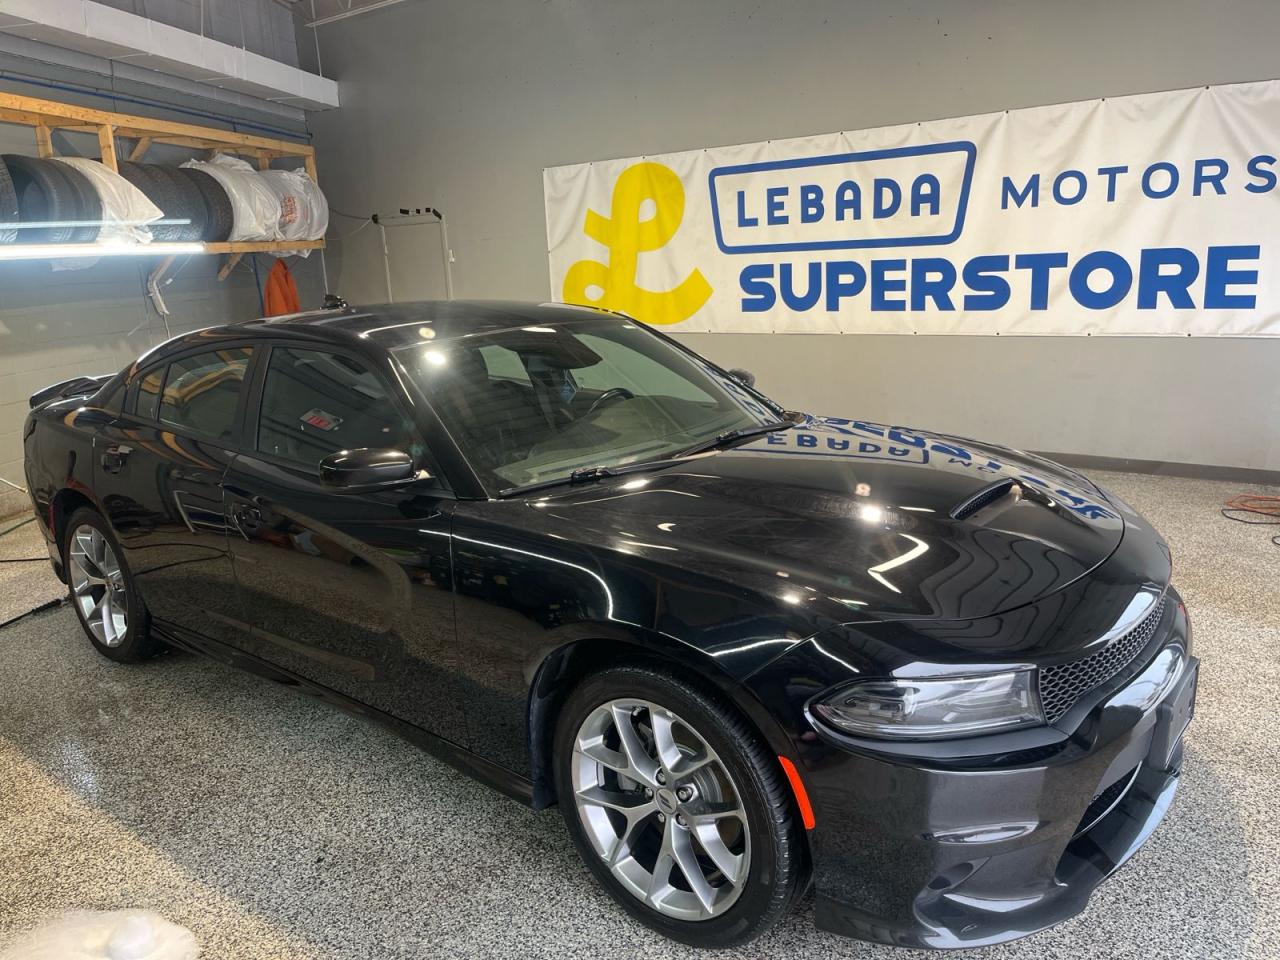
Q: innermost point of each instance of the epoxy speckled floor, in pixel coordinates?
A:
(275, 827)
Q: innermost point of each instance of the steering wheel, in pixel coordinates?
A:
(614, 393)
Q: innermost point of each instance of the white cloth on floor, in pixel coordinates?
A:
(115, 935)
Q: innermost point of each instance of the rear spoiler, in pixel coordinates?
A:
(75, 387)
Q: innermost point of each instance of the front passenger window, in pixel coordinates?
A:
(316, 403)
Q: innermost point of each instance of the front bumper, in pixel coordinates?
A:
(945, 853)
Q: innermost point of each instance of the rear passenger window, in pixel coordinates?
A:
(148, 402)
(201, 391)
(316, 403)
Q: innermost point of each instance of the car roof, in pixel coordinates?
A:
(385, 325)
(391, 325)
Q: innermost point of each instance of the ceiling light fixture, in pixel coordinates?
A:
(60, 251)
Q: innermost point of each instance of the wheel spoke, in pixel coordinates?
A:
(630, 805)
(610, 759)
(641, 766)
(664, 739)
(687, 860)
(635, 816)
(710, 813)
(85, 552)
(82, 581)
(108, 622)
(726, 861)
(688, 765)
(660, 882)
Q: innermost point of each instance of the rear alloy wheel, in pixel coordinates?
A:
(97, 586)
(676, 807)
(102, 590)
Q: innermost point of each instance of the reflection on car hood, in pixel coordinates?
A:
(858, 518)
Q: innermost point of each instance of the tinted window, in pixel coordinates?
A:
(535, 403)
(201, 391)
(316, 403)
(148, 402)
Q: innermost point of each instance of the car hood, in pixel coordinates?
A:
(867, 522)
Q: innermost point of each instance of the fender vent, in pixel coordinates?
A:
(983, 498)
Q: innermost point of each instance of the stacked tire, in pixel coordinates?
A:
(43, 201)
(195, 206)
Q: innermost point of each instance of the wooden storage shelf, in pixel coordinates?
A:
(45, 116)
(251, 246)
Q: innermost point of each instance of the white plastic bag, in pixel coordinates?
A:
(117, 935)
(255, 208)
(304, 212)
(125, 209)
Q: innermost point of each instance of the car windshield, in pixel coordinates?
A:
(534, 404)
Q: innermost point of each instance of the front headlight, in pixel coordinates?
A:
(933, 709)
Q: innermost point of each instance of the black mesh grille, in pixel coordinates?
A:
(1063, 684)
(1104, 801)
(984, 497)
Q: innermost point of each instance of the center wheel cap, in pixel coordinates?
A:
(666, 798)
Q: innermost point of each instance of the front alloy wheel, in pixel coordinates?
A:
(660, 808)
(677, 806)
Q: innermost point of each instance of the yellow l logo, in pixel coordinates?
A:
(627, 236)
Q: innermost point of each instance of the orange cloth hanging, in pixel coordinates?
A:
(281, 295)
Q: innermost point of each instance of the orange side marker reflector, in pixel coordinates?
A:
(802, 795)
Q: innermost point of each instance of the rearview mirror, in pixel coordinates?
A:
(745, 377)
(367, 468)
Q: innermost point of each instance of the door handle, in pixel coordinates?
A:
(114, 456)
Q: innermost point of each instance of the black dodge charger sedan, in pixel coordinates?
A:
(746, 651)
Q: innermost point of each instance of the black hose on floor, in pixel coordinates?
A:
(1256, 506)
(22, 523)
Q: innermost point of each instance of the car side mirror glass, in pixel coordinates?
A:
(368, 468)
(745, 377)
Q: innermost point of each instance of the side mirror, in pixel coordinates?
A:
(367, 468)
(745, 377)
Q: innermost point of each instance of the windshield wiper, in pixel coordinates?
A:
(584, 475)
(730, 437)
(587, 474)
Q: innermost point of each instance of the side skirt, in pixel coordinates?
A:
(486, 771)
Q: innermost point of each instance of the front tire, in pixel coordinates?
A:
(103, 591)
(677, 807)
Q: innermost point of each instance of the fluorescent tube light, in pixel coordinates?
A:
(62, 251)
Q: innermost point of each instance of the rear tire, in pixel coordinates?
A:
(103, 591)
(686, 819)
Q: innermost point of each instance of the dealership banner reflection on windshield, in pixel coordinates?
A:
(1149, 214)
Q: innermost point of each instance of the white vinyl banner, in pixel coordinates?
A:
(1149, 214)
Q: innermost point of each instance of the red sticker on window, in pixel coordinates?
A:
(320, 419)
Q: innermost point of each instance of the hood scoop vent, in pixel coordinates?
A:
(985, 498)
